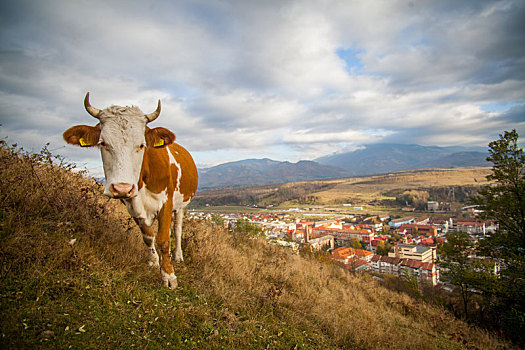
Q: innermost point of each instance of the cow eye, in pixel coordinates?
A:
(102, 144)
(141, 146)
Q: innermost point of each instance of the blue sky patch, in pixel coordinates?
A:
(352, 58)
(497, 106)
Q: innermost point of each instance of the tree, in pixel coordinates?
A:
(504, 202)
(458, 266)
(218, 220)
(411, 283)
(248, 229)
(354, 242)
(383, 248)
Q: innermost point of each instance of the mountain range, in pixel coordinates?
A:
(254, 172)
(387, 157)
(374, 159)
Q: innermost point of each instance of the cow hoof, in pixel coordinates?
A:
(179, 259)
(169, 280)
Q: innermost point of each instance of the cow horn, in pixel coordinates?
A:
(152, 116)
(90, 109)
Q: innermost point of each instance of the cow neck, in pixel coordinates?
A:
(151, 174)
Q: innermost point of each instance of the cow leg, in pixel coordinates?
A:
(163, 242)
(177, 228)
(148, 235)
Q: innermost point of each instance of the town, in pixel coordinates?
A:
(405, 246)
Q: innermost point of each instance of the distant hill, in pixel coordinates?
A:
(388, 157)
(374, 159)
(253, 172)
(375, 192)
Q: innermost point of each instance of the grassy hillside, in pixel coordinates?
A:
(374, 187)
(74, 274)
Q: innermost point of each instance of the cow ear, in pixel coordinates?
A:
(159, 137)
(82, 135)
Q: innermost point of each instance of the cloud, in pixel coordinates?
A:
(515, 114)
(282, 78)
(243, 109)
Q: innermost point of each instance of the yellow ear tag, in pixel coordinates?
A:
(83, 142)
(159, 143)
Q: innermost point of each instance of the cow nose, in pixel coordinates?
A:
(122, 190)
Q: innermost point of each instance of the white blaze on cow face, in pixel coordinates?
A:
(122, 144)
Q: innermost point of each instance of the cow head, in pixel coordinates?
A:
(122, 136)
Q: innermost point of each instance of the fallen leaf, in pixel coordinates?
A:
(47, 334)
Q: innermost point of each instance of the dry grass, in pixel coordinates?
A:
(363, 190)
(347, 311)
(235, 292)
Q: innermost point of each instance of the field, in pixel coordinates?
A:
(371, 188)
(73, 275)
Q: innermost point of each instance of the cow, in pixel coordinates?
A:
(153, 176)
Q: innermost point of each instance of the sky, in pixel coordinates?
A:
(286, 80)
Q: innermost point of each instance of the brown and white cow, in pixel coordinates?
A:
(144, 168)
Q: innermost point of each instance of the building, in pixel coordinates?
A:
(428, 242)
(372, 223)
(423, 220)
(358, 265)
(414, 252)
(389, 265)
(344, 236)
(343, 254)
(443, 224)
(413, 229)
(398, 222)
(471, 227)
(429, 272)
(424, 271)
(432, 206)
(364, 255)
(329, 223)
(321, 242)
(346, 255)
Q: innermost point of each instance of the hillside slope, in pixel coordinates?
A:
(74, 275)
(366, 190)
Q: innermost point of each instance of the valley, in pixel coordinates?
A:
(372, 194)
